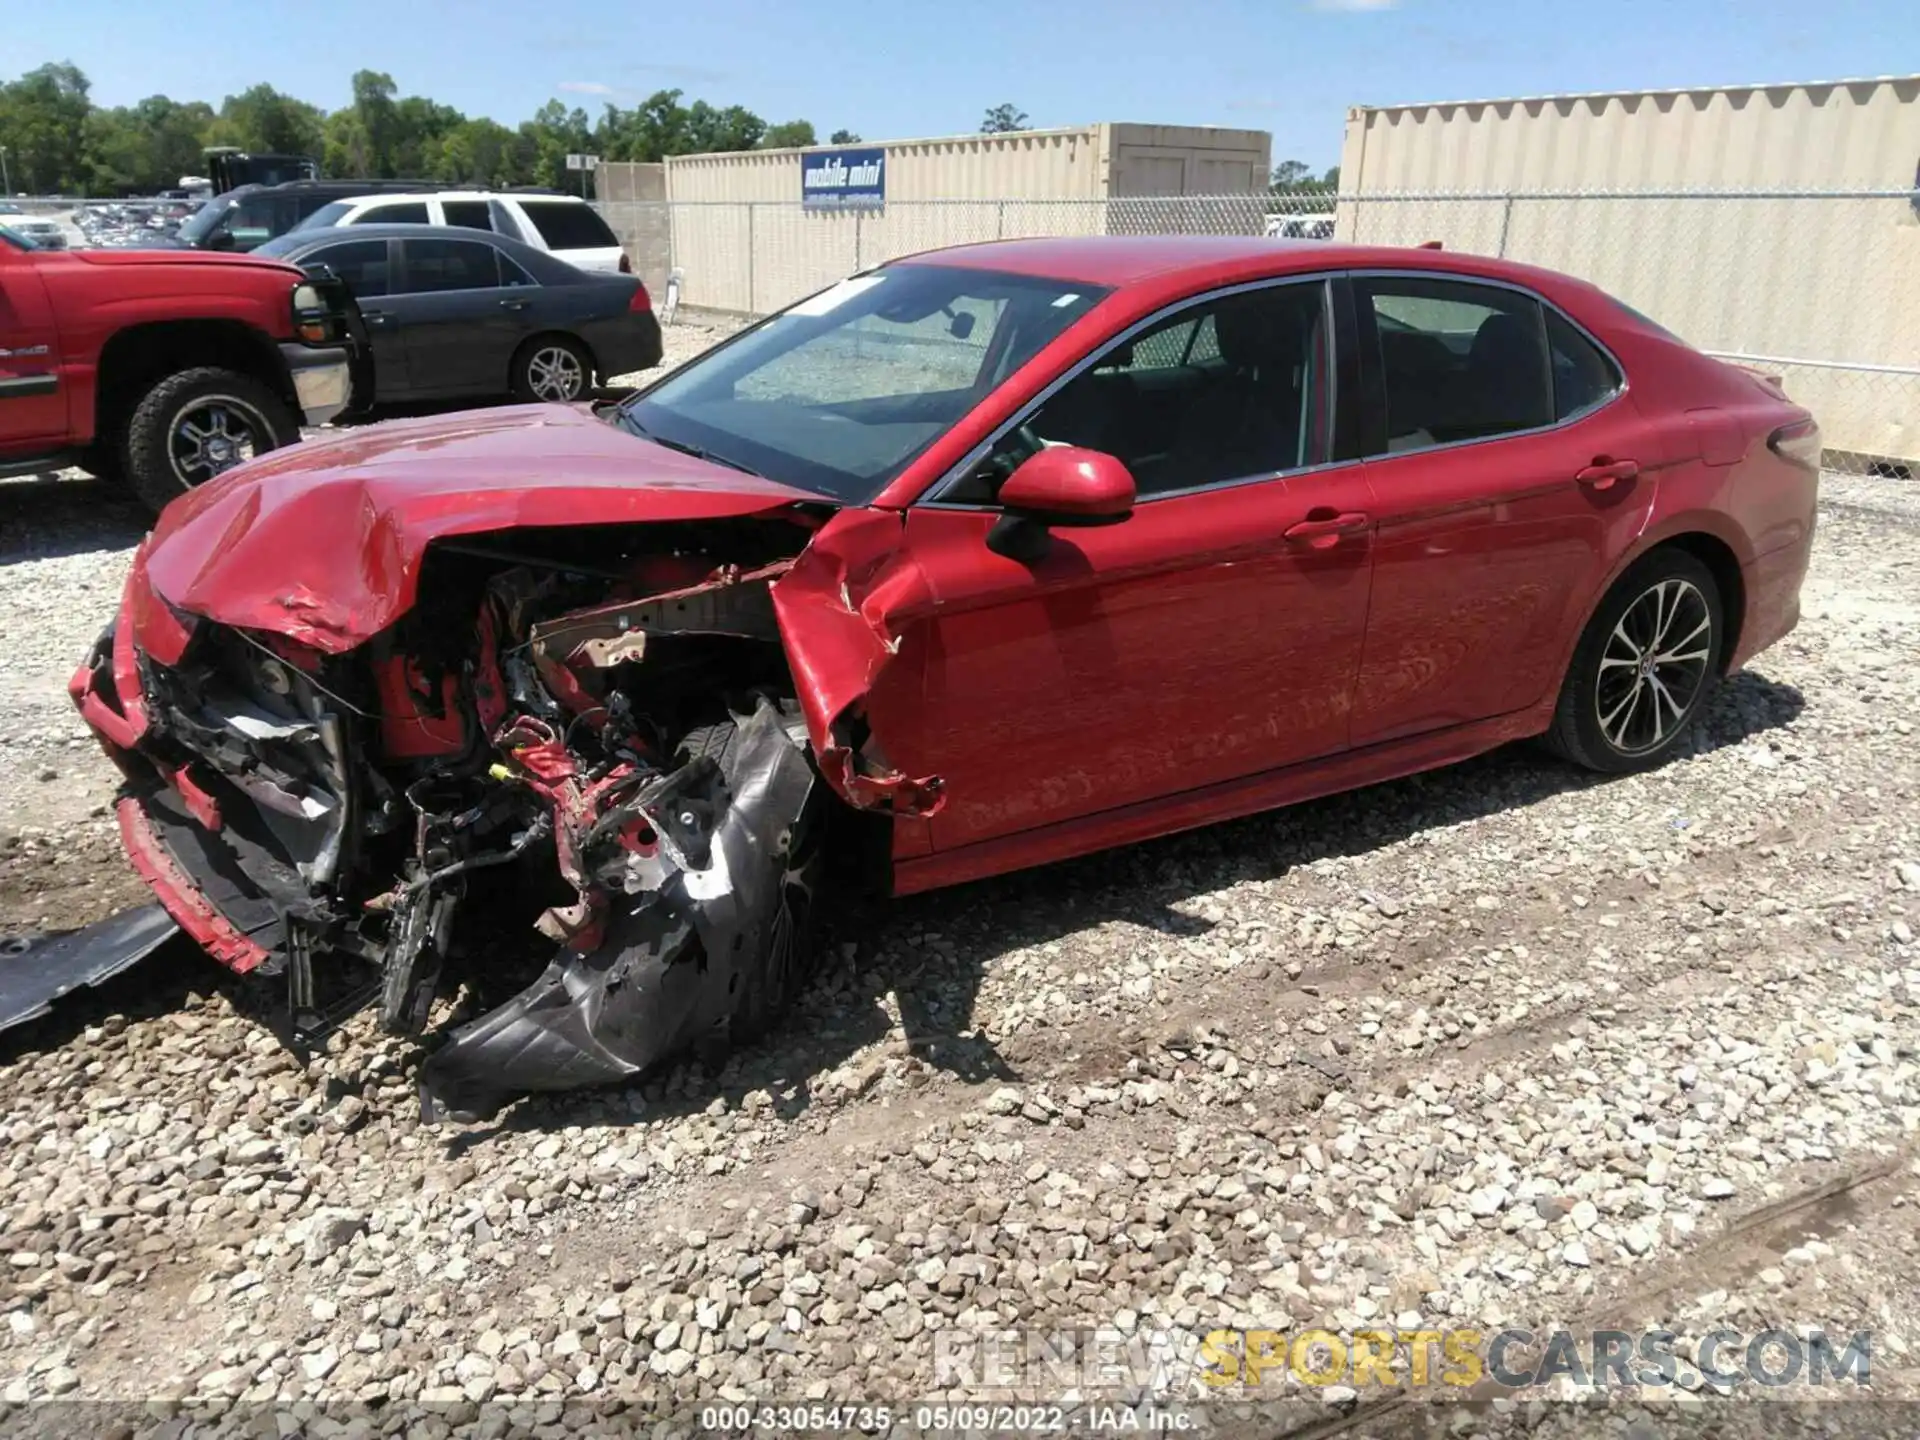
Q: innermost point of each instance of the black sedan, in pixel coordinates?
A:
(454, 312)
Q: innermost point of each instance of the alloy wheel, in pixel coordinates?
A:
(212, 434)
(1653, 666)
(555, 373)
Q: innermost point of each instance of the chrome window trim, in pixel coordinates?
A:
(932, 497)
(1618, 393)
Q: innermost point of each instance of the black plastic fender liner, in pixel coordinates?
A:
(36, 970)
(681, 963)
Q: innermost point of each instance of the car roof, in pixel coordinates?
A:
(544, 265)
(1120, 261)
(521, 195)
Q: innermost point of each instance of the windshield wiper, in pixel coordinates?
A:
(685, 448)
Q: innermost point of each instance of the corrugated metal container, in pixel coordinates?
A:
(1843, 134)
(1833, 279)
(744, 242)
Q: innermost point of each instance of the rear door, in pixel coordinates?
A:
(1507, 464)
(33, 396)
(458, 324)
(369, 268)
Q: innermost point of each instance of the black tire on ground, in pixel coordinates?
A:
(1644, 667)
(551, 367)
(192, 425)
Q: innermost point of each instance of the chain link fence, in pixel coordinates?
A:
(1819, 288)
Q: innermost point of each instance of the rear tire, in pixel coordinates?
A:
(551, 368)
(1644, 667)
(200, 423)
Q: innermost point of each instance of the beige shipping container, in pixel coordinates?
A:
(1822, 288)
(743, 242)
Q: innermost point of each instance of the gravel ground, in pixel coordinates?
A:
(1497, 1045)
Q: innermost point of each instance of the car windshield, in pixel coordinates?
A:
(204, 221)
(839, 393)
(326, 216)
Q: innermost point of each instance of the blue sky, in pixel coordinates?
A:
(901, 68)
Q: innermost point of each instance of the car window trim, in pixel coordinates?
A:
(1375, 384)
(458, 236)
(933, 497)
(318, 254)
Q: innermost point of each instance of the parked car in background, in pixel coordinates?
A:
(45, 233)
(564, 225)
(246, 218)
(1300, 227)
(994, 555)
(163, 367)
(454, 312)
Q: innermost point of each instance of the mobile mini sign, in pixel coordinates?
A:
(843, 179)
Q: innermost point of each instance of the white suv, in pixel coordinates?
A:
(565, 225)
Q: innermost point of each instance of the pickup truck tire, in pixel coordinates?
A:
(191, 426)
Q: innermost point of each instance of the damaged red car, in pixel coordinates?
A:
(1017, 550)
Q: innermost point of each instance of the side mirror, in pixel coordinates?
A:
(1060, 485)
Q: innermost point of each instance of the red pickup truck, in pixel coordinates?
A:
(164, 367)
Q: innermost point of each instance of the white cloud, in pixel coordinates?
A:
(1354, 4)
(584, 87)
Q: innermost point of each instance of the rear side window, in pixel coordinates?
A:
(468, 214)
(511, 275)
(435, 265)
(1583, 376)
(362, 264)
(1460, 361)
(569, 227)
(410, 213)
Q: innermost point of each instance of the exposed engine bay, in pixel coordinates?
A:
(601, 717)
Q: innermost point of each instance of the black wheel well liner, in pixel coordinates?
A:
(1713, 552)
(136, 358)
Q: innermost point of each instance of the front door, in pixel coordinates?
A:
(368, 267)
(1212, 635)
(1507, 466)
(33, 396)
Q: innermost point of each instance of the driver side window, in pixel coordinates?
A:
(1229, 389)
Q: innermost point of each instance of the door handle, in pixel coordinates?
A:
(513, 304)
(1323, 532)
(1603, 474)
(375, 317)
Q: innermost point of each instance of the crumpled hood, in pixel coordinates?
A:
(322, 541)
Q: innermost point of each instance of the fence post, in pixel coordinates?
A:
(1000, 220)
(1506, 219)
(750, 307)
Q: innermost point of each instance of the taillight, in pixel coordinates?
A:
(641, 303)
(626, 265)
(1797, 444)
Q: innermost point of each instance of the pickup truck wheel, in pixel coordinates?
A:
(192, 426)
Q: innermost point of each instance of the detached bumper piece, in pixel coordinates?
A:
(36, 970)
(699, 943)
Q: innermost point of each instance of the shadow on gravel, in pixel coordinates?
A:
(930, 953)
(175, 977)
(43, 517)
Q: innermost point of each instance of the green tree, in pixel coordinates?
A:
(1004, 118)
(43, 116)
(262, 119)
(843, 137)
(788, 136)
(375, 114)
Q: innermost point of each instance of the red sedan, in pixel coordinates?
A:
(1001, 554)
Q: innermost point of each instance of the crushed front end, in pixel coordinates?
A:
(598, 722)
